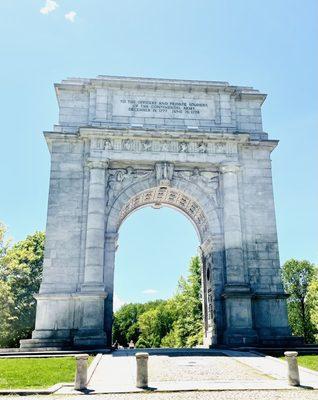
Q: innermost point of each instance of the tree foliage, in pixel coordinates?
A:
(313, 305)
(176, 322)
(297, 277)
(20, 277)
(125, 325)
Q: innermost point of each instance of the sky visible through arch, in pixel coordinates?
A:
(271, 45)
(155, 248)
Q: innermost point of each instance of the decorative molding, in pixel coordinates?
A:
(175, 146)
(229, 168)
(94, 164)
(169, 196)
(118, 179)
(206, 247)
(208, 181)
(164, 173)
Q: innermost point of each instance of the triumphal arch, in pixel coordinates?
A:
(124, 143)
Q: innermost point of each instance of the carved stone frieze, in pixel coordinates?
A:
(166, 146)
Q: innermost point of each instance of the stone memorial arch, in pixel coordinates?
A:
(199, 147)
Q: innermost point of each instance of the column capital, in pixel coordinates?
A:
(230, 167)
(111, 236)
(97, 164)
(205, 248)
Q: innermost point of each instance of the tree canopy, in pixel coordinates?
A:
(20, 278)
(298, 277)
(176, 322)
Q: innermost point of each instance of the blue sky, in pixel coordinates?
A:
(271, 45)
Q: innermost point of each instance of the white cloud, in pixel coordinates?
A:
(70, 16)
(50, 5)
(150, 291)
(118, 302)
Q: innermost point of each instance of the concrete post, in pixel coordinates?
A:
(292, 365)
(81, 372)
(142, 370)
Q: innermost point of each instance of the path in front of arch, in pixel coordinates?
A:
(192, 369)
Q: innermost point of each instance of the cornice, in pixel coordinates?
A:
(102, 133)
(121, 82)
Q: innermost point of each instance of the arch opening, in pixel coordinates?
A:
(200, 208)
(160, 196)
(155, 249)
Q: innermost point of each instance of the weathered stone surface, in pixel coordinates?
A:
(142, 370)
(81, 372)
(122, 143)
(292, 365)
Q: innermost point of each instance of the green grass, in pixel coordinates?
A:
(36, 373)
(310, 361)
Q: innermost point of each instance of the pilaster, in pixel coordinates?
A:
(95, 241)
(237, 294)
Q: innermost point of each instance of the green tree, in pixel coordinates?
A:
(313, 304)
(297, 277)
(154, 325)
(6, 306)
(4, 244)
(187, 328)
(176, 322)
(20, 277)
(125, 322)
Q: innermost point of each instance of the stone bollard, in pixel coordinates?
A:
(292, 365)
(142, 370)
(81, 372)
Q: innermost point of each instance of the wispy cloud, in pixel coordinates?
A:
(50, 5)
(150, 291)
(70, 16)
(118, 302)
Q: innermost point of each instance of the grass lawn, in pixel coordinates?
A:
(310, 361)
(26, 373)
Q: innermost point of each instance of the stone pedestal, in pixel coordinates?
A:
(91, 333)
(239, 319)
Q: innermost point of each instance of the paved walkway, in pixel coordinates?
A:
(194, 370)
(223, 395)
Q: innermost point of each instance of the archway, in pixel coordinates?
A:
(155, 247)
(210, 160)
(173, 193)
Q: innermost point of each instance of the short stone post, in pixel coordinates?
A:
(81, 372)
(292, 365)
(142, 370)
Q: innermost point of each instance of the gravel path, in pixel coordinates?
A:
(200, 369)
(232, 395)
